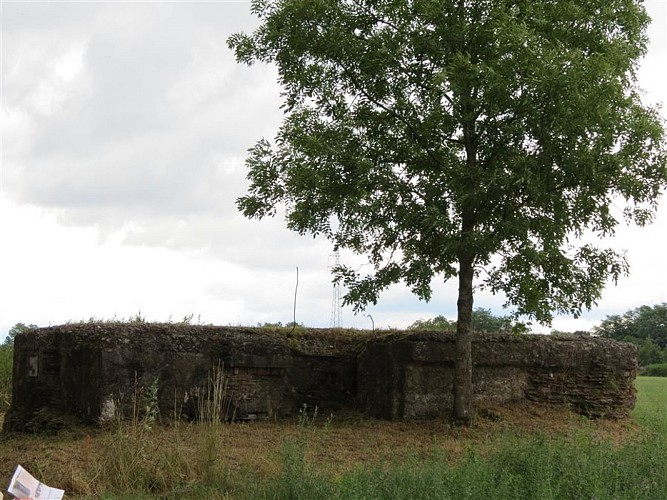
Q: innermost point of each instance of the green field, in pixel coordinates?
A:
(583, 464)
(651, 409)
(525, 453)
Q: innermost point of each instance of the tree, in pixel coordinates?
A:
(645, 326)
(438, 323)
(443, 137)
(649, 353)
(15, 330)
(483, 320)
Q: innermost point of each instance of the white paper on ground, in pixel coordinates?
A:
(24, 485)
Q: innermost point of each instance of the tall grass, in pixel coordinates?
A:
(145, 460)
(539, 468)
(137, 459)
(215, 406)
(534, 467)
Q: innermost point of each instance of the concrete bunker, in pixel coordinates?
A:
(86, 373)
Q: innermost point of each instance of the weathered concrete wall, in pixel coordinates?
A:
(411, 377)
(89, 372)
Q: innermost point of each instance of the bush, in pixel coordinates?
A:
(655, 370)
(6, 362)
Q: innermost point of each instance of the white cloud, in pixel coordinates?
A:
(125, 127)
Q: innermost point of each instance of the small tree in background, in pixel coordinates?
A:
(15, 330)
(645, 326)
(439, 323)
(6, 363)
(443, 137)
(483, 320)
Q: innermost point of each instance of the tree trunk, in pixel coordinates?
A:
(466, 256)
(463, 360)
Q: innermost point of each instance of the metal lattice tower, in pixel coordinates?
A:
(336, 302)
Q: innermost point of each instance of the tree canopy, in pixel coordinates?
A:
(645, 326)
(483, 320)
(475, 139)
(645, 322)
(15, 330)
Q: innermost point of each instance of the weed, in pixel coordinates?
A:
(188, 319)
(150, 410)
(215, 405)
(139, 460)
(214, 402)
(305, 418)
(138, 319)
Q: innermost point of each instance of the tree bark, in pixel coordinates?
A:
(466, 257)
(463, 351)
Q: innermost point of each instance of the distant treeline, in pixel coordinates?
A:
(645, 326)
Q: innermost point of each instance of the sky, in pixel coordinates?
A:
(124, 131)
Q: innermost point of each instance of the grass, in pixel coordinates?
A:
(651, 409)
(525, 452)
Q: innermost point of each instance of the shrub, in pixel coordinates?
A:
(655, 370)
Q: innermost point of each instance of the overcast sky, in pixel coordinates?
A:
(124, 131)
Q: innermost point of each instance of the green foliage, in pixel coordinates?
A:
(645, 326)
(645, 322)
(656, 370)
(439, 323)
(149, 408)
(536, 468)
(15, 330)
(483, 320)
(140, 463)
(6, 364)
(433, 136)
(649, 352)
(442, 138)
